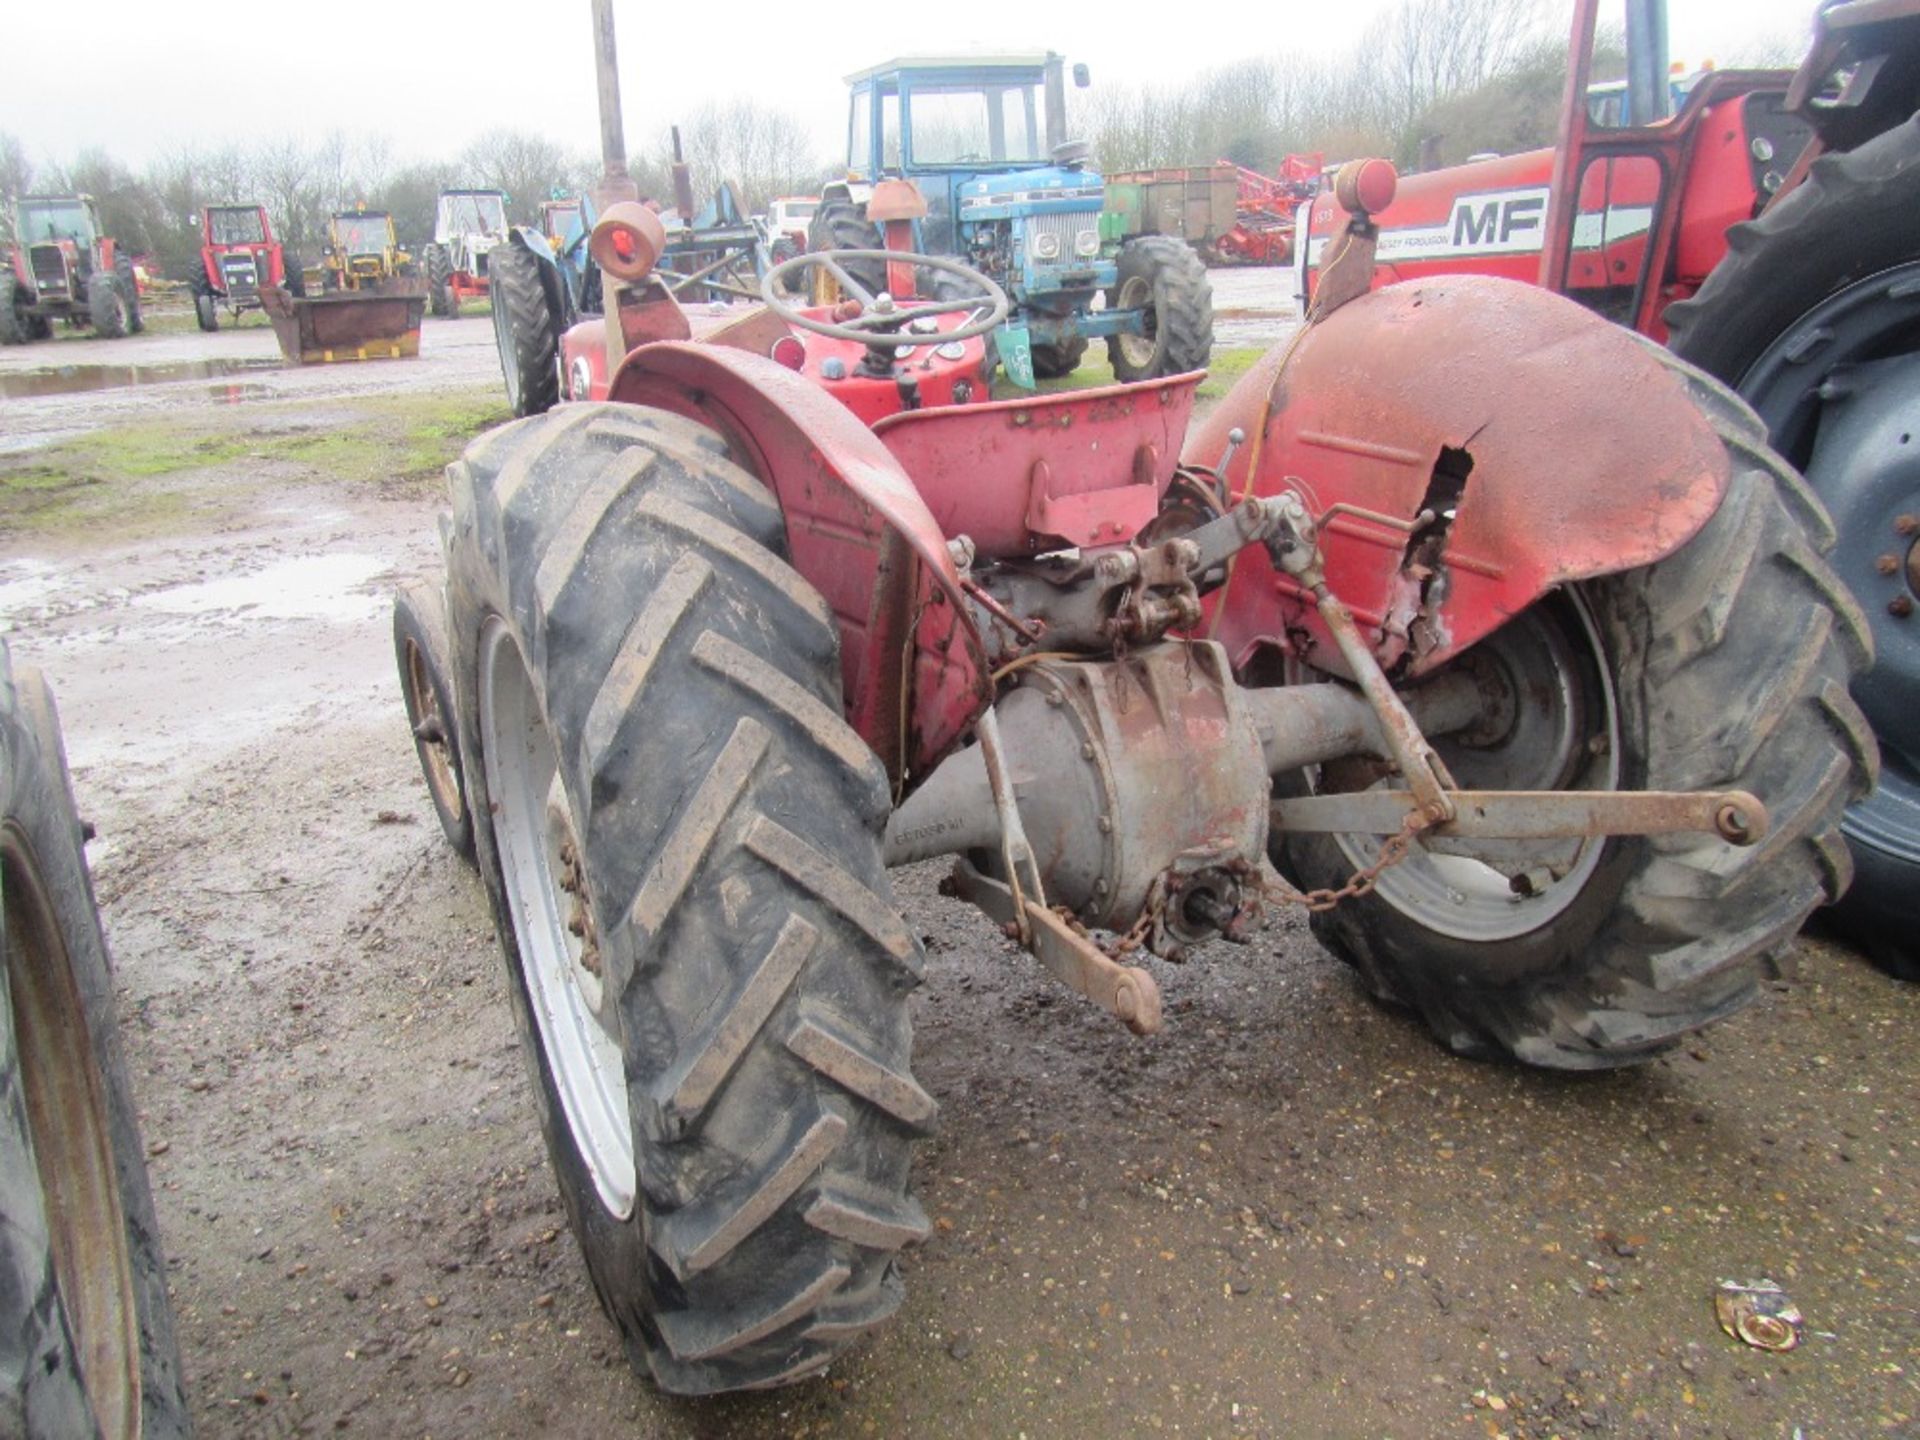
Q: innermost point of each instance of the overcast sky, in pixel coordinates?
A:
(433, 76)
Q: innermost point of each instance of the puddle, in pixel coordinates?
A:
(75, 379)
(25, 588)
(314, 587)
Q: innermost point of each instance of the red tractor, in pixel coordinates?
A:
(1765, 232)
(62, 268)
(802, 602)
(238, 259)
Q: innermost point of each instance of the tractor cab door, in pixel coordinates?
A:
(1651, 171)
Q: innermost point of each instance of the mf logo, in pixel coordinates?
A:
(1499, 223)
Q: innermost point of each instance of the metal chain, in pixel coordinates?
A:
(1362, 881)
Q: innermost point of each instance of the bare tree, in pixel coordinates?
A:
(527, 166)
(764, 152)
(16, 178)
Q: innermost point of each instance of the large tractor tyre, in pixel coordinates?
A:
(1814, 317)
(1725, 665)
(130, 289)
(421, 651)
(1052, 361)
(106, 305)
(839, 224)
(15, 326)
(439, 281)
(525, 330)
(1165, 278)
(680, 839)
(206, 310)
(86, 1331)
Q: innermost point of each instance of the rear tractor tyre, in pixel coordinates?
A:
(1725, 665)
(1165, 278)
(86, 1331)
(1814, 317)
(439, 281)
(206, 310)
(525, 330)
(426, 684)
(106, 306)
(680, 840)
(839, 224)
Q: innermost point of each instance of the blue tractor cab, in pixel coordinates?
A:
(983, 138)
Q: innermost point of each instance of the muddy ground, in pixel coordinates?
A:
(1290, 1214)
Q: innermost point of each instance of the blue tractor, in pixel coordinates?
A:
(983, 138)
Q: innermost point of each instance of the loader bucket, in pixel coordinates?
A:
(382, 324)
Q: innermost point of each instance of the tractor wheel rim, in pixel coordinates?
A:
(67, 1118)
(1561, 730)
(423, 712)
(533, 830)
(1136, 293)
(1857, 339)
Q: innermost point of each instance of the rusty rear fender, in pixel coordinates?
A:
(1581, 450)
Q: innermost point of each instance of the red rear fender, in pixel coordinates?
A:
(1582, 453)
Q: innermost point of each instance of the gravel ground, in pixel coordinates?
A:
(1289, 1214)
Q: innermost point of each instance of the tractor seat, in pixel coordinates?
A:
(1046, 472)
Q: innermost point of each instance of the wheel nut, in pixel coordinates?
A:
(1886, 564)
(1906, 524)
(1900, 607)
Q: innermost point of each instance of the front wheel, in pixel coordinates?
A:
(440, 297)
(1724, 666)
(130, 291)
(680, 839)
(86, 1331)
(1050, 362)
(106, 306)
(15, 317)
(426, 686)
(1163, 279)
(206, 310)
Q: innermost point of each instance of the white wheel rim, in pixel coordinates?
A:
(1458, 896)
(531, 817)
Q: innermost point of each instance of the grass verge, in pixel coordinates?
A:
(145, 478)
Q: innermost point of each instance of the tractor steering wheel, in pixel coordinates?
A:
(883, 323)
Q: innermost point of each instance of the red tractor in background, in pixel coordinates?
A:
(1458, 623)
(238, 259)
(61, 267)
(1767, 233)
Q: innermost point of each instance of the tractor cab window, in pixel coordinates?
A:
(471, 215)
(890, 129)
(237, 227)
(860, 132)
(41, 221)
(561, 220)
(962, 125)
(363, 234)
